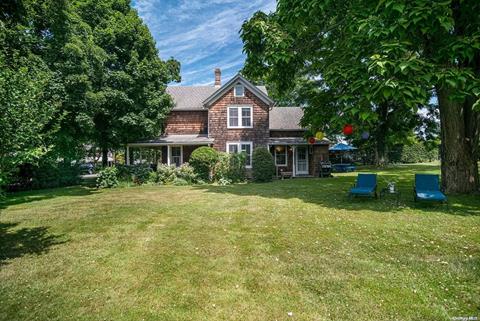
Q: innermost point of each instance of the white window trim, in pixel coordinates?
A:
(239, 113)
(170, 156)
(286, 157)
(235, 92)
(239, 148)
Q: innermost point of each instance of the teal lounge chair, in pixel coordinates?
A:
(366, 186)
(427, 188)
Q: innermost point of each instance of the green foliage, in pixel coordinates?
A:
(169, 174)
(187, 173)
(372, 64)
(140, 173)
(50, 173)
(230, 167)
(165, 174)
(47, 172)
(263, 165)
(180, 182)
(76, 72)
(203, 160)
(418, 153)
(26, 109)
(124, 172)
(107, 178)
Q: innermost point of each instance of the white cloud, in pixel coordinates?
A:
(201, 34)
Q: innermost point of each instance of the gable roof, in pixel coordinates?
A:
(190, 97)
(257, 91)
(285, 118)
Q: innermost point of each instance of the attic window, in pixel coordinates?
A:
(239, 90)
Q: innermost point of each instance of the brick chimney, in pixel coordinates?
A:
(218, 77)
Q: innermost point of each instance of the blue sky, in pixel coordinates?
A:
(201, 34)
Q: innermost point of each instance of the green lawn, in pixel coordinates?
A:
(287, 250)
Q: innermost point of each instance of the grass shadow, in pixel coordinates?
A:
(40, 195)
(15, 243)
(332, 192)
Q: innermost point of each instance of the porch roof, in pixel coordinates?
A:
(295, 141)
(174, 140)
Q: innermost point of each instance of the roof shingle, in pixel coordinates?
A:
(192, 97)
(286, 118)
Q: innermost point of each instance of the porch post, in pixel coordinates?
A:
(294, 165)
(127, 160)
(169, 153)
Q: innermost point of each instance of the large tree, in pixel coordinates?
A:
(381, 53)
(76, 72)
(114, 78)
(30, 92)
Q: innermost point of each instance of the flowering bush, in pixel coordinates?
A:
(107, 178)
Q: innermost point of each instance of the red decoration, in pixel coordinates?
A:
(312, 140)
(348, 129)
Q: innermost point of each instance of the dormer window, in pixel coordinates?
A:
(239, 90)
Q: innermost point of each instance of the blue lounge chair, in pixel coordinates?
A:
(427, 188)
(366, 186)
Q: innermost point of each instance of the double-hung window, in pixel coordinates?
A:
(240, 117)
(239, 147)
(281, 155)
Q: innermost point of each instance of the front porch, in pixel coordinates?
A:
(294, 156)
(170, 150)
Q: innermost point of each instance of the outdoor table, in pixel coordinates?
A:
(387, 191)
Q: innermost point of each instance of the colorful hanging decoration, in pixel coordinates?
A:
(312, 140)
(319, 135)
(365, 135)
(348, 129)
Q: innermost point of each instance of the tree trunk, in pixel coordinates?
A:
(381, 133)
(104, 156)
(458, 163)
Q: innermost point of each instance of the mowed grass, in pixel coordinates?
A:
(287, 250)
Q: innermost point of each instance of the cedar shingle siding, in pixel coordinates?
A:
(187, 122)
(218, 130)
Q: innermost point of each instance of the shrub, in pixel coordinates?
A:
(203, 160)
(224, 182)
(107, 178)
(124, 172)
(140, 173)
(165, 174)
(263, 165)
(47, 173)
(180, 182)
(187, 173)
(54, 174)
(230, 167)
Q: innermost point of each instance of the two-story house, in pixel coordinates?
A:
(235, 117)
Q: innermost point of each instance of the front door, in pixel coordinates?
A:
(301, 160)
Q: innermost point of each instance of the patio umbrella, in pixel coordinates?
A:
(341, 147)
